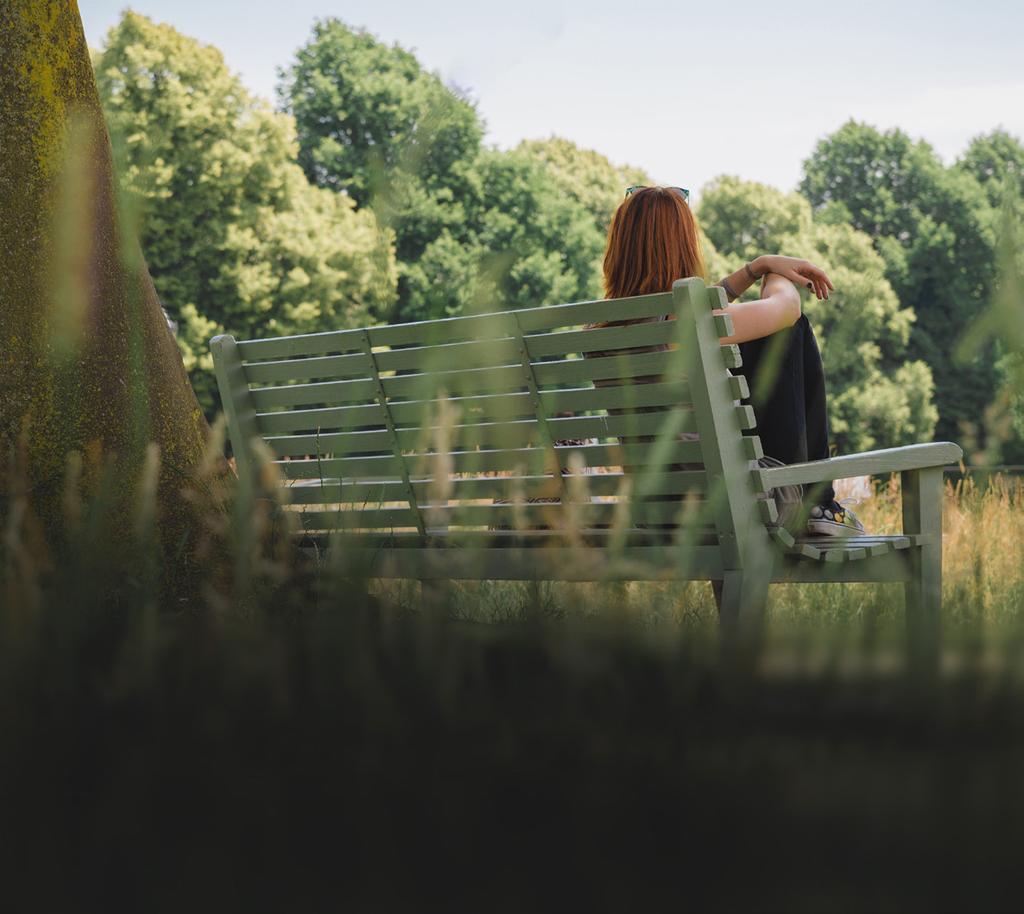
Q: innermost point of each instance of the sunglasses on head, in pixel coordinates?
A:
(683, 192)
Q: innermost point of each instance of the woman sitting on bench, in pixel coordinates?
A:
(653, 241)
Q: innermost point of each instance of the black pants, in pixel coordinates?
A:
(787, 390)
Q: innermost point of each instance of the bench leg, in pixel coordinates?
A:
(741, 598)
(922, 513)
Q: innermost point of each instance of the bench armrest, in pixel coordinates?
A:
(889, 460)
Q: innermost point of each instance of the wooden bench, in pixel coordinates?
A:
(443, 450)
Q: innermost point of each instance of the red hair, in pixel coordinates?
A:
(653, 241)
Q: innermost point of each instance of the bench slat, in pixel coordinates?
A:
(532, 460)
(532, 320)
(501, 378)
(303, 344)
(502, 350)
(333, 417)
(472, 354)
(469, 327)
(482, 407)
(680, 482)
(486, 406)
(517, 433)
(333, 366)
(552, 515)
(441, 538)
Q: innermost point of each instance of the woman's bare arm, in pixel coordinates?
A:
(778, 308)
(801, 272)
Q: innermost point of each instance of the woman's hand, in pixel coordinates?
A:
(802, 272)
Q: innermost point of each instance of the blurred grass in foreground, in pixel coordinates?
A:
(293, 739)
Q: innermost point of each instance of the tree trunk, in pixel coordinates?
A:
(87, 362)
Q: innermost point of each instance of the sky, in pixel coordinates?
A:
(685, 91)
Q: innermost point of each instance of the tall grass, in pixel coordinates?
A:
(294, 737)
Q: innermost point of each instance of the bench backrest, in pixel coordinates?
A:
(517, 424)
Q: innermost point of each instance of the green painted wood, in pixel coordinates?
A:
(724, 325)
(575, 400)
(396, 447)
(922, 514)
(543, 435)
(533, 461)
(501, 378)
(731, 355)
(504, 349)
(540, 539)
(623, 367)
(582, 399)
(353, 365)
(384, 466)
(682, 483)
(480, 353)
(889, 460)
(363, 519)
(514, 433)
(656, 333)
(745, 544)
(892, 566)
(826, 549)
(471, 327)
(336, 443)
(332, 341)
(330, 418)
(532, 320)
(521, 516)
(746, 418)
(316, 394)
(783, 537)
(480, 408)
(769, 512)
(239, 408)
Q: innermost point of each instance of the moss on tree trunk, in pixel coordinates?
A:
(87, 362)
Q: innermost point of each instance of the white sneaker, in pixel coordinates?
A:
(834, 519)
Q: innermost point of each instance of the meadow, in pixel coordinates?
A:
(291, 737)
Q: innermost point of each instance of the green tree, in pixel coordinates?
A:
(236, 238)
(934, 227)
(996, 161)
(523, 242)
(377, 128)
(585, 176)
(876, 397)
(475, 228)
(365, 110)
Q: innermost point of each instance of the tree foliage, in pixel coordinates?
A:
(585, 176)
(236, 238)
(380, 201)
(996, 161)
(522, 243)
(474, 227)
(877, 398)
(933, 226)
